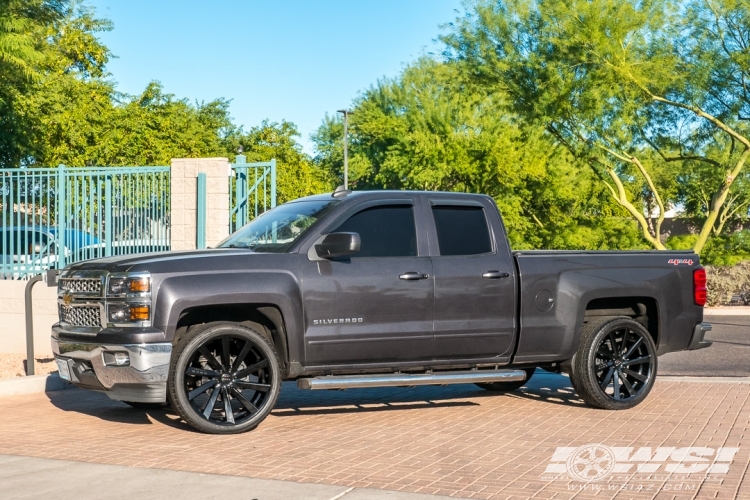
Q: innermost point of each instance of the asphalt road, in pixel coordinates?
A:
(729, 356)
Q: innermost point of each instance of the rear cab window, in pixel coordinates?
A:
(461, 230)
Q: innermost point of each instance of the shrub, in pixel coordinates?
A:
(726, 281)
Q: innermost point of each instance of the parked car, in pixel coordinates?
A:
(369, 289)
(29, 250)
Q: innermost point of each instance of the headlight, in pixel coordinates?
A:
(126, 285)
(123, 312)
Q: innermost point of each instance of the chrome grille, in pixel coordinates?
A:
(81, 315)
(87, 285)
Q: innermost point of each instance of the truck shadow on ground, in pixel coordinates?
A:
(546, 388)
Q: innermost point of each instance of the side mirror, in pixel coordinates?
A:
(338, 245)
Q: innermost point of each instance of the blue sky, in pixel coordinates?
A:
(275, 59)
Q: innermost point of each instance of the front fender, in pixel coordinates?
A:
(279, 288)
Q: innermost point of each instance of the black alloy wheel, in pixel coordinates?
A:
(615, 366)
(507, 386)
(224, 378)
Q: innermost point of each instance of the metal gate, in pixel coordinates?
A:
(252, 191)
(50, 217)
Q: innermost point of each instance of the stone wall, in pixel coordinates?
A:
(184, 201)
(13, 318)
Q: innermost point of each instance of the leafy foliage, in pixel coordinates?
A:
(57, 105)
(724, 282)
(428, 130)
(647, 94)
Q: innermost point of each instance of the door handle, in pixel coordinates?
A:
(412, 276)
(494, 275)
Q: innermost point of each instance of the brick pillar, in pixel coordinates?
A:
(184, 187)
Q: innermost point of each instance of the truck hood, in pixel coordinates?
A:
(218, 259)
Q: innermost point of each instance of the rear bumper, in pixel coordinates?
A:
(697, 341)
(93, 366)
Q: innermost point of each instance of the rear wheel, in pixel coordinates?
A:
(615, 366)
(224, 378)
(507, 386)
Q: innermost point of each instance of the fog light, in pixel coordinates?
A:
(116, 359)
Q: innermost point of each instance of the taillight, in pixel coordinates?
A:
(699, 287)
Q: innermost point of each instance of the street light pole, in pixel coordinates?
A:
(346, 113)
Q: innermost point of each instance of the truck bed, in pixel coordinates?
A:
(557, 287)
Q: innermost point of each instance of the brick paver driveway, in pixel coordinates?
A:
(457, 440)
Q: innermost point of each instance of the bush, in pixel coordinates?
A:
(726, 281)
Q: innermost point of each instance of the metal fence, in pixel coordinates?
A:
(50, 217)
(252, 191)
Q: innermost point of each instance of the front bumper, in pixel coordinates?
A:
(91, 365)
(697, 341)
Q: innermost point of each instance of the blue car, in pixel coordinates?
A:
(28, 250)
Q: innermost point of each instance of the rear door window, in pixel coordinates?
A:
(461, 230)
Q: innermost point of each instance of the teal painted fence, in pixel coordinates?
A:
(50, 217)
(252, 191)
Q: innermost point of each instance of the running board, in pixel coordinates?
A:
(407, 379)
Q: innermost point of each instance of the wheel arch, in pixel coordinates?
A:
(643, 310)
(267, 319)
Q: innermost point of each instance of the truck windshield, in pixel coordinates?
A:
(277, 229)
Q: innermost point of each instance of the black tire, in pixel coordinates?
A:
(615, 365)
(572, 376)
(240, 371)
(507, 386)
(147, 406)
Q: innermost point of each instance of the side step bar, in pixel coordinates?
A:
(407, 379)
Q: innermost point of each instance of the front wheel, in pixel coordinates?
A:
(615, 365)
(224, 378)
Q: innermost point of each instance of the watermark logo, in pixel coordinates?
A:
(591, 462)
(598, 462)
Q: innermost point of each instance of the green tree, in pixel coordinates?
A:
(428, 130)
(637, 90)
(22, 51)
(297, 176)
(63, 109)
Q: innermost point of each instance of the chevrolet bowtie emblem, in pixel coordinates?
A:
(67, 298)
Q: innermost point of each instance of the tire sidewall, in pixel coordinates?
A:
(586, 375)
(186, 349)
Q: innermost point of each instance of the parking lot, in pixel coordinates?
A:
(458, 440)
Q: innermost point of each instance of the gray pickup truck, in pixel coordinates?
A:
(370, 289)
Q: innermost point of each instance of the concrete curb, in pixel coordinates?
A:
(703, 380)
(33, 384)
(727, 311)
